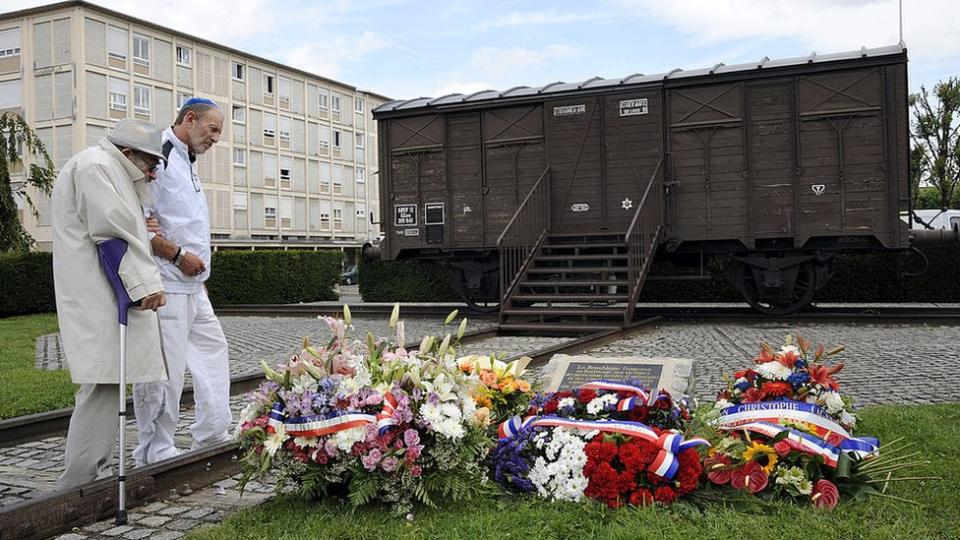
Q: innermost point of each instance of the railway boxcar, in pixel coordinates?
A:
(552, 202)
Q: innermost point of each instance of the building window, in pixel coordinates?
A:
(358, 105)
(268, 84)
(336, 104)
(117, 42)
(240, 157)
(238, 69)
(141, 50)
(361, 175)
(337, 135)
(269, 125)
(285, 128)
(10, 43)
(286, 169)
(337, 219)
(324, 139)
(324, 220)
(10, 95)
(284, 88)
(141, 99)
(239, 201)
(361, 213)
(182, 97)
(286, 212)
(324, 101)
(118, 94)
(338, 179)
(184, 56)
(239, 114)
(360, 141)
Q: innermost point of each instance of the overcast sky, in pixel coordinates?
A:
(405, 49)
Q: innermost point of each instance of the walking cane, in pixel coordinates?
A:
(111, 253)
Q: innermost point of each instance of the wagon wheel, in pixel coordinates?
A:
(479, 290)
(792, 296)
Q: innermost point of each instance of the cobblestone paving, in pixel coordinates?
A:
(883, 362)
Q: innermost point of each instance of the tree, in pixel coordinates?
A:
(15, 137)
(936, 154)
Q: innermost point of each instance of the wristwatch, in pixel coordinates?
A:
(179, 257)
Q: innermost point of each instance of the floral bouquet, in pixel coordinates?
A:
(592, 442)
(785, 430)
(501, 388)
(369, 417)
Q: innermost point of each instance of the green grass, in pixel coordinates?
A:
(936, 427)
(24, 389)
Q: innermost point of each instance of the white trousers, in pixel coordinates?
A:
(194, 340)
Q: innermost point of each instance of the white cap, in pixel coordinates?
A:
(138, 135)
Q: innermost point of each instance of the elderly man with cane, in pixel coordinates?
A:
(97, 197)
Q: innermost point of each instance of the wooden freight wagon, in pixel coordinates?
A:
(551, 200)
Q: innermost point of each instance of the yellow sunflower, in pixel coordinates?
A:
(761, 453)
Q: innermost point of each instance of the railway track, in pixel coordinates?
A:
(57, 512)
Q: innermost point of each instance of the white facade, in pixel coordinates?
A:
(295, 166)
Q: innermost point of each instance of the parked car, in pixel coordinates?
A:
(941, 220)
(350, 275)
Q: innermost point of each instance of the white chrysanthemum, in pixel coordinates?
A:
(304, 442)
(566, 402)
(347, 438)
(774, 371)
(833, 402)
(599, 404)
(558, 474)
(444, 418)
(848, 419)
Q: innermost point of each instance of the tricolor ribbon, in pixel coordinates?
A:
(797, 440)
(777, 411)
(670, 443)
(318, 426)
(612, 386)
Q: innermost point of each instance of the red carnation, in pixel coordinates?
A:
(638, 414)
(550, 407)
(641, 497)
(664, 495)
(750, 476)
(825, 494)
(586, 396)
(564, 394)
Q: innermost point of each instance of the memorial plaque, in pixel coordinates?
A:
(673, 374)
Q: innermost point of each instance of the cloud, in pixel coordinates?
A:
(539, 17)
(821, 25)
(326, 58)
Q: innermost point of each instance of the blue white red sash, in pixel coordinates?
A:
(612, 386)
(670, 443)
(318, 426)
(778, 411)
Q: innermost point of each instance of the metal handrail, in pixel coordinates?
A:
(642, 238)
(523, 234)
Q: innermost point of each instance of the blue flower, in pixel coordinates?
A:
(797, 379)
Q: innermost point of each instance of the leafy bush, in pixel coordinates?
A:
(406, 281)
(26, 283)
(273, 277)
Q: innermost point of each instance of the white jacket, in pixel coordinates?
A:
(180, 206)
(93, 200)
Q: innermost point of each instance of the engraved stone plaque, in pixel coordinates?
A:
(673, 374)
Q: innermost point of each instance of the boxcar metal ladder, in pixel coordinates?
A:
(574, 283)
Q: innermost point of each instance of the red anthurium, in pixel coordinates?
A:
(750, 477)
(825, 494)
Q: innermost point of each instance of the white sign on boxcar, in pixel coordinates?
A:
(569, 110)
(633, 107)
(405, 215)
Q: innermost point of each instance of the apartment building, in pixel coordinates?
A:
(295, 166)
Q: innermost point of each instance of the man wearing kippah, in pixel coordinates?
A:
(192, 336)
(98, 196)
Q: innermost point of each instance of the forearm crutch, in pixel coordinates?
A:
(111, 253)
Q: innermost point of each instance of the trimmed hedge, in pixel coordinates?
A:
(273, 277)
(26, 283)
(856, 278)
(406, 281)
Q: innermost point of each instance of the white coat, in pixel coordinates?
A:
(94, 199)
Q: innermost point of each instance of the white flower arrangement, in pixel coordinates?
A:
(774, 371)
(558, 474)
(602, 403)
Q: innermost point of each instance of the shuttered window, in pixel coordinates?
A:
(10, 94)
(96, 95)
(118, 94)
(95, 37)
(10, 42)
(117, 43)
